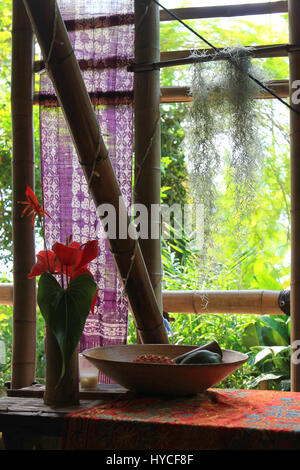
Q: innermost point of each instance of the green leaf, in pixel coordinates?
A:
(261, 355)
(263, 377)
(280, 334)
(65, 310)
(252, 335)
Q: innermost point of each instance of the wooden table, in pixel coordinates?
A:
(27, 423)
(113, 419)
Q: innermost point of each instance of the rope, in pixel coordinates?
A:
(258, 82)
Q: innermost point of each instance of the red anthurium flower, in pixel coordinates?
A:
(33, 204)
(67, 255)
(46, 262)
(89, 252)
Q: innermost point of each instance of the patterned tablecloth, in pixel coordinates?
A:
(218, 419)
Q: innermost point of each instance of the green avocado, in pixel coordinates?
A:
(201, 357)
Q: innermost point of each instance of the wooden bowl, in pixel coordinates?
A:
(161, 379)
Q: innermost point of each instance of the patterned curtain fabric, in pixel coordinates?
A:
(102, 35)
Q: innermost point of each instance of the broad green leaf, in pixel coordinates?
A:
(65, 310)
(252, 336)
(263, 377)
(280, 333)
(261, 355)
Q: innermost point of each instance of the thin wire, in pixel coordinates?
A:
(186, 25)
(258, 82)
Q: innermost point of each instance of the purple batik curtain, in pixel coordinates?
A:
(102, 35)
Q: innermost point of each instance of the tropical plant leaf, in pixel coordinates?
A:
(261, 355)
(65, 310)
(252, 335)
(263, 377)
(279, 331)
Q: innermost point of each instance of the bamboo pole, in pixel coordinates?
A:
(24, 310)
(256, 302)
(65, 74)
(147, 136)
(185, 14)
(170, 94)
(182, 94)
(6, 294)
(294, 19)
(186, 57)
(225, 11)
(256, 52)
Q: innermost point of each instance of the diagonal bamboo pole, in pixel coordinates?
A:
(294, 18)
(24, 309)
(65, 74)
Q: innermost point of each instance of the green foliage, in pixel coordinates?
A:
(6, 337)
(268, 340)
(173, 165)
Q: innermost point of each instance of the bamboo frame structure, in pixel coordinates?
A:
(24, 307)
(186, 57)
(59, 72)
(225, 11)
(147, 181)
(183, 94)
(194, 13)
(84, 128)
(257, 52)
(294, 18)
(256, 302)
(183, 57)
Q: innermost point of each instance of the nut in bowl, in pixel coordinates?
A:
(133, 367)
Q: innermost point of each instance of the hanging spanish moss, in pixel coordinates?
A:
(225, 150)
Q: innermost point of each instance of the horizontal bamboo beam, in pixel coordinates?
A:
(182, 13)
(6, 294)
(264, 51)
(259, 302)
(183, 94)
(192, 13)
(257, 52)
(187, 57)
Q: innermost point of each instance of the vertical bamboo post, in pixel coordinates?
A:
(24, 295)
(147, 135)
(294, 19)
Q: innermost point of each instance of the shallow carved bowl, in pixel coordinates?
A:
(161, 379)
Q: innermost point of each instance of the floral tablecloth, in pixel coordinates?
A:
(218, 419)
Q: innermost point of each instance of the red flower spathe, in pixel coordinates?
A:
(71, 260)
(33, 204)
